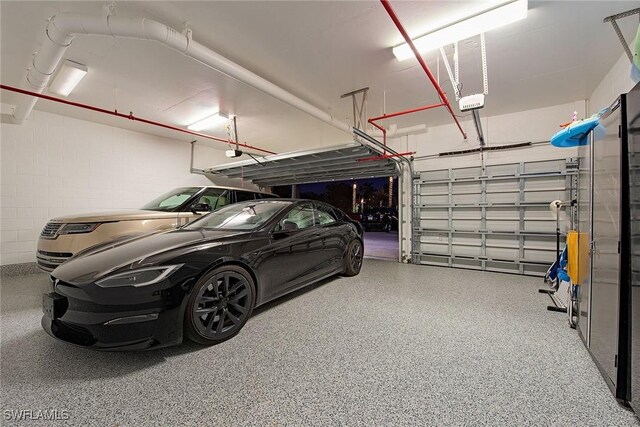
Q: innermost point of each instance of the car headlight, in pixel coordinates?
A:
(140, 277)
(78, 228)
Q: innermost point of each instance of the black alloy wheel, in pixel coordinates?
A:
(220, 305)
(353, 258)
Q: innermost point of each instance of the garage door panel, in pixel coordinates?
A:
(435, 247)
(319, 165)
(465, 173)
(439, 199)
(497, 217)
(502, 253)
(466, 224)
(502, 224)
(466, 213)
(470, 264)
(468, 250)
(439, 224)
(465, 239)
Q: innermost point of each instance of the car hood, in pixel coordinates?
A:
(135, 252)
(110, 216)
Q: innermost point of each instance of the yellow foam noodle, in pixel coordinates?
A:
(577, 256)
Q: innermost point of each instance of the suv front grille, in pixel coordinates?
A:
(50, 260)
(50, 230)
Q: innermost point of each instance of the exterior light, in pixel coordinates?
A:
(465, 28)
(67, 78)
(209, 122)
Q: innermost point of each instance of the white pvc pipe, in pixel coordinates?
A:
(63, 27)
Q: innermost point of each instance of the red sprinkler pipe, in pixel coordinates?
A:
(402, 113)
(129, 116)
(384, 133)
(423, 64)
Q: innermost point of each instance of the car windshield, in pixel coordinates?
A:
(240, 216)
(171, 200)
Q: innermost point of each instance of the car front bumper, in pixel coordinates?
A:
(113, 319)
(48, 261)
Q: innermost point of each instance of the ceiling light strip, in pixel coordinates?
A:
(68, 77)
(488, 20)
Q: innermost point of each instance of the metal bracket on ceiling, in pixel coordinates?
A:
(485, 80)
(616, 28)
(454, 76)
(110, 9)
(454, 79)
(187, 31)
(359, 111)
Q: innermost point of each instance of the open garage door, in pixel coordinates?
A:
(354, 162)
(351, 161)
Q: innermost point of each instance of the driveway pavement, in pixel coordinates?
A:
(378, 244)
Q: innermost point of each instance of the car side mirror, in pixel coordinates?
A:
(200, 207)
(288, 226)
(284, 229)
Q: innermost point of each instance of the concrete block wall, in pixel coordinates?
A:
(54, 165)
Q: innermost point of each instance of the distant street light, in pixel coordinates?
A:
(353, 199)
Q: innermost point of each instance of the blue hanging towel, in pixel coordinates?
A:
(558, 270)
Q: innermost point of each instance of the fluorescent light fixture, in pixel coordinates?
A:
(209, 122)
(469, 27)
(67, 78)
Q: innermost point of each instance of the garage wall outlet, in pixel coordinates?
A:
(233, 153)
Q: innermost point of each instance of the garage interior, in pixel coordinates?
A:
(465, 327)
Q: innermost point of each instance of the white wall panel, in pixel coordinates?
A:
(54, 165)
(616, 82)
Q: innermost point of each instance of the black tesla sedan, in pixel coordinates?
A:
(202, 280)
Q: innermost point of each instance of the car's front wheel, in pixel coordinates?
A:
(353, 258)
(219, 305)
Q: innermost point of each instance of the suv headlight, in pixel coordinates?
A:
(78, 228)
(140, 277)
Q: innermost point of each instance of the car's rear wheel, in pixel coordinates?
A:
(219, 305)
(353, 258)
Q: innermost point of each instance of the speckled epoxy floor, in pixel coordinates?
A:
(396, 345)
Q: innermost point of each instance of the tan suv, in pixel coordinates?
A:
(65, 236)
